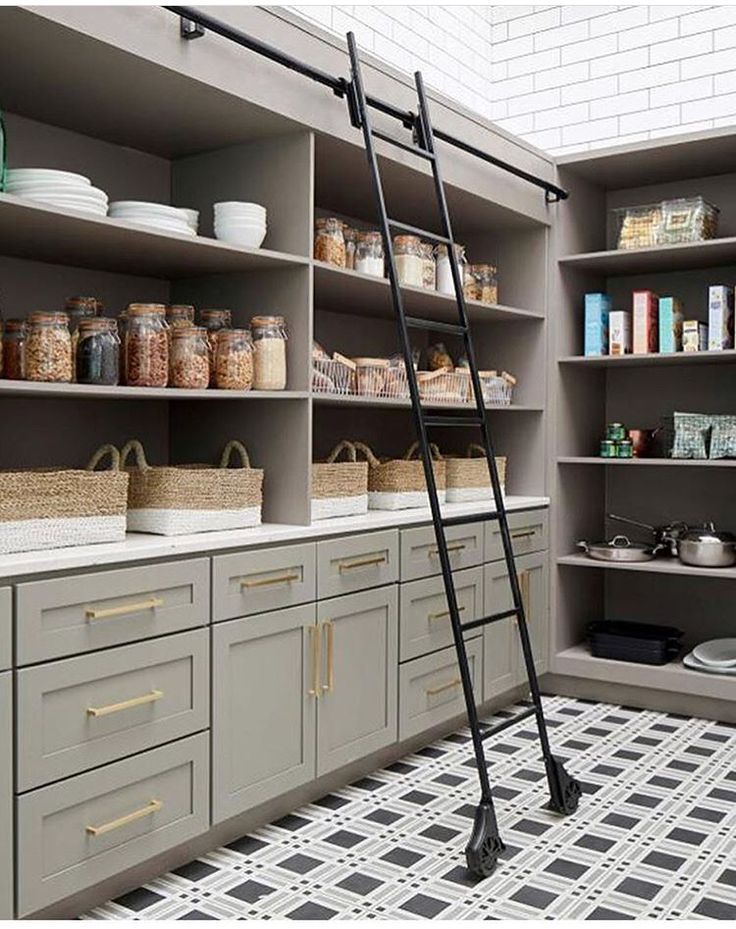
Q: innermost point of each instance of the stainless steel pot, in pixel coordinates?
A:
(665, 537)
(619, 549)
(707, 548)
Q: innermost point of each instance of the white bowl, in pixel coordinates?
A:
(192, 217)
(251, 238)
(239, 224)
(47, 174)
(227, 206)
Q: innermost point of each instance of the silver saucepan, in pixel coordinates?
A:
(707, 548)
(619, 549)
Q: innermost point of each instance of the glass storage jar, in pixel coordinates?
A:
(98, 352)
(483, 283)
(234, 360)
(429, 268)
(329, 242)
(214, 321)
(351, 237)
(269, 351)
(369, 257)
(14, 350)
(189, 363)
(49, 348)
(77, 309)
(408, 260)
(179, 315)
(146, 345)
(444, 271)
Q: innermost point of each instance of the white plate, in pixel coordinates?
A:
(691, 662)
(158, 225)
(64, 203)
(34, 191)
(718, 653)
(47, 174)
(140, 206)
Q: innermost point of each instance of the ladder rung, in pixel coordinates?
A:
(507, 723)
(406, 146)
(487, 620)
(453, 421)
(469, 518)
(422, 233)
(415, 322)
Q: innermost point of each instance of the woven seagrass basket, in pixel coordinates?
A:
(468, 478)
(398, 483)
(339, 488)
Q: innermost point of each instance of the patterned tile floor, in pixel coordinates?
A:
(655, 835)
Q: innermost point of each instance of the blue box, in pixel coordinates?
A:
(597, 308)
(671, 317)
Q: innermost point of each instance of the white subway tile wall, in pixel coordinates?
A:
(565, 78)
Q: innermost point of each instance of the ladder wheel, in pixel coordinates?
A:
(565, 790)
(485, 845)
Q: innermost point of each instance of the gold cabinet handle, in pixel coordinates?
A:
(330, 629)
(361, 563)
(525, 587)
(445, 614)
(126, 608)
(459, 547)
(153, 807)
(526, 534)
(98, 711)
(433, 691)
(315, 639)
(266, 581)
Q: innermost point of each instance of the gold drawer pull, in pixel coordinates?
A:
(362, 563)
(266, 581)
(98, 711)
(315, 640)
(109, 612)
(459, 547)
(433, 691)
(445, 614)
(330, 685)
(526, 534)
(153, 807)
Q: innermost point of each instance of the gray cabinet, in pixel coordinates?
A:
(358, 562)
(529, 533)
(6, 628)
(6, 796)
(357, 706)
(419, 556)
(263, 707)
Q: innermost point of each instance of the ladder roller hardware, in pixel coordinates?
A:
(485, 845)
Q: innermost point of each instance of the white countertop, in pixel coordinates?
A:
(140, 547)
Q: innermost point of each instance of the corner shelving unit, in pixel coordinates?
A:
(639, 390)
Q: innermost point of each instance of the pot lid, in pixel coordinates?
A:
(622, 541)
(708, 535)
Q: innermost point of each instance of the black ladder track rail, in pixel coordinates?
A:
(485, 843)
(194, 22)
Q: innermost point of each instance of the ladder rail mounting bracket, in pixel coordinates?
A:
(188, 29)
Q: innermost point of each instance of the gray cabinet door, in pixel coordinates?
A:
(529, 533)
(347, 565)
(419, 556)
(357, 707)
(6, 628)
(534, 582)
(263, 715)
(6, 796)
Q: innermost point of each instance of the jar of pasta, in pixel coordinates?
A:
(234, 360)
(329, 242)
(14, 350)
(369, 258)
(98, 352)
(408, 260)
(269, 352)
(214, 321)
(189, 362)
(49, 348)
(146, 345)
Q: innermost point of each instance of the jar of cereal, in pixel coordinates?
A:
(234, 360)
(189, 363)
(485, 283)
(49, 348)
(214, 321)
(269, 350)
(329, 242)
(408, 260)
(146, 345)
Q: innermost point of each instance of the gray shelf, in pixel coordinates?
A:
(92, 392)
(660, 258)
(648, 462)
(657, 566)
(43, 233)
(387, 402)
(650, 360)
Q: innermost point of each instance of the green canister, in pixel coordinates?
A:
(608, 449)
(616, 432)
(625, 449)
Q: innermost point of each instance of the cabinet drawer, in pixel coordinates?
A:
(419, 550)
(529, 533)
(357, 563)
(6, 628)
(424, 621)
(78, 832)
(430, 691)
(82, 712)
(263, 580)
(90, 611)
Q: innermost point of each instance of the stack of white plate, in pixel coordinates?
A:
(57, 188)
(240, 223)
(718, 656)
(157, 216)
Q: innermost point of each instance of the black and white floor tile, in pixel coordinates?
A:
(655, 835)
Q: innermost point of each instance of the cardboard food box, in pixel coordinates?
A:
(720, 317)
(671, 317)
(645, 305)
(597, 310)
(619, 336)
(694, 336)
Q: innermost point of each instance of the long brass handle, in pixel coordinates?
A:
(266, 581)
(361, 563)
(526, 534)
(444, 614)
(98, 711)
(330, 629)
(125, 609)
(460, 547)
(314, 637)
(524, 579)
(433, 691)
(153, 807)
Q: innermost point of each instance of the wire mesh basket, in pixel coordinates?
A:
(497, 391)
(445, 386)
(332, 377)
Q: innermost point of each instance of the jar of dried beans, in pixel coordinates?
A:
(146, 345)
(429, 269)
(369, 257)
(77, 309)
(98, 352)
(269, 351)
(49, 348)
(234, 364)
(329, 242)
(214, 321)
(408, 260)
(14, 350)
(190, 361)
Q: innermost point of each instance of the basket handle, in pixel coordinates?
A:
(134, 445)
(343, 446)
(433, 448)
(234, 446)
(101, 453)
(474, 448)
(370, 457)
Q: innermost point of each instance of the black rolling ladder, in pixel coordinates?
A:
(485, 844)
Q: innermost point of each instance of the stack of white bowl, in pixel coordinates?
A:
(57, 188)
(240, 223)
(158, 216)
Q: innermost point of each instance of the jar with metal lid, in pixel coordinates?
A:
(484, 283)
(234, 360)
(351, 237)
(49, 348)
(77, 309)
(269, 352)
(214, 321)
(429, 267)
(98, 352)
(146, 345)
(14, 350)
(179, 315)
(369, 257)
(408, 260)
(329, 242)
(444, 281)
(189, 363)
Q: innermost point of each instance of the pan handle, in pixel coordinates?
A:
(631, 522)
